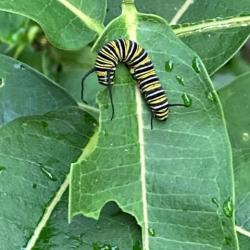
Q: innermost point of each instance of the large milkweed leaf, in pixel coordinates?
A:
(68, 24)
(175, 179)
(24, 91)
(112, 229)
(235, 101)
(216, 41)
(35, 155)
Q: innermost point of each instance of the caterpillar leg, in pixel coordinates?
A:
(83, 79)
(152, 120)
(110, 95)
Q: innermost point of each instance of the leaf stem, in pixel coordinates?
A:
(128, 1)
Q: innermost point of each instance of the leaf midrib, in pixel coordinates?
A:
(130, 17)
(212, 25)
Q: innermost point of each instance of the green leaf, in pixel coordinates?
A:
(112, 229)
(11, 26)
(175, 179)
(68, 68)
(215, 43)
(166, 9)
(36, 153)
(24, 91)
(235, 100)
(68, 24)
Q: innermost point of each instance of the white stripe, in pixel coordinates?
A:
(138, 59)
(155, 93)
(164, 105)
(120, 49)
(148, 79)
(112, 53)
(145, 67)
(131, 50)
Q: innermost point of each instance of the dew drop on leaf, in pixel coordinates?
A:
(169, 66)
(180, 80)
(211, 96)
(215, 201)
(196, 65)
(2, 82)
(44, 124)
(228, 207)
(18, 66)
(105, 132)
(245, 137)
(227, 240)
(151, 232)
(47, 173)
(100, 246)
(187, 99)
(2, 169)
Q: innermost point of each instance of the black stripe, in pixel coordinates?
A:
(154, 95)
(123, 49)
(102, 55)
(134, 50)
(135, 61)
(113, 50)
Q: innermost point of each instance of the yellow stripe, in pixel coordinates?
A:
(151, 87)
(108, 55)
(116, 49)
(159, 100)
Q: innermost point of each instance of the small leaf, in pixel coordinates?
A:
(67, 24)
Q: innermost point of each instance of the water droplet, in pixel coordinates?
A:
(211, 96)
(125, 150)
(18, 66)
(169, 66)
(111, 144)
(44, 124)
(245, 136)
(151, 232)
(196, 65)
(100, 246)
(187, 99)
(180, 80)
(2, 82)
(228, 207)
(47, 173)
(227, 240)
(2, 169)
(94, 124)
(215, 201)
(34, 185)
(105, 132)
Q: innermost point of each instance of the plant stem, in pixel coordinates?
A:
(128, 1)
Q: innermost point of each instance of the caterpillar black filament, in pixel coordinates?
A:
(141, 68)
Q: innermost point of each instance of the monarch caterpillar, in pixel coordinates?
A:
(142, 70)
